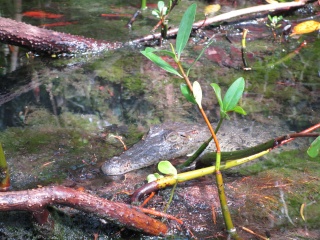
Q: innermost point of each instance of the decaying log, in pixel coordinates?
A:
(47, 41)
(36, 200)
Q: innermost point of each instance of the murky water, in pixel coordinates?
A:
(58, 116)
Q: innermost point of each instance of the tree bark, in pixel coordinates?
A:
(36, 200)
(47, 41)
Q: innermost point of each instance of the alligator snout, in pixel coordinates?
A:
(163, 142)
(116, 167)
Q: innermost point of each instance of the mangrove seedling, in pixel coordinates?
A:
(162, 10)
(162, 13)
(274, 24)
(183, 35)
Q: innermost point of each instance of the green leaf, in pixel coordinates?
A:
(197, 93)
(164, 52)
(199, 56)
(167, 168)
(185, 28)
(239, 110)
(217, 91)
(156, 13)
(314, 149)
(224, 115)
(187, 93)
(160, 5)
(153, 177)
(233, 95)
(160, 62)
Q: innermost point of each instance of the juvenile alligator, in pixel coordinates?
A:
(172, 140)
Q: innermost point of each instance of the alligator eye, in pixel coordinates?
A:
(173, 136)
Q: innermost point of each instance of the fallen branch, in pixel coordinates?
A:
(227, 16)
(47, 41)
(36, 200)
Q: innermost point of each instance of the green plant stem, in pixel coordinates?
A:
(204, 115)
(222, 196)
(207, 158)
(280, 61)
(288, 56)
(4, 172)
(194, 156)
(224, 206)
(143, 4)
(187, 176)
(171, 197)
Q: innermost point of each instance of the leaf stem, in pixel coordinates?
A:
(204, 115)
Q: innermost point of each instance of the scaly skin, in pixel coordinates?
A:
(163, 142)
(172, 140)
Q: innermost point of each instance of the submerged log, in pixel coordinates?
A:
(47, 41)
(36, 200)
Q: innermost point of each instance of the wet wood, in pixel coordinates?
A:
(47, 41)
(36, 200)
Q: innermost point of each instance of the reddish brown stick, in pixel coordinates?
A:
(308, 130)
(36, 200)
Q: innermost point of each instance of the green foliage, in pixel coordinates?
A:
(274, 22)
(182, 40)
(314, 149)
(231, 98)
(164, 167)
(161, 11)
(148, 52)
(153, 177)
(185, 29)
(187, 93)
(167, 168)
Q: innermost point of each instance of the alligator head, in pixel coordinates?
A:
(163, 142)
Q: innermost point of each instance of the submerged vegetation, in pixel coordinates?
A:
(276, 193)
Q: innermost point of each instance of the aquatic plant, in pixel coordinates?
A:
(193, 94)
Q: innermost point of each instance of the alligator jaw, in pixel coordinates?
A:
(163, 142)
